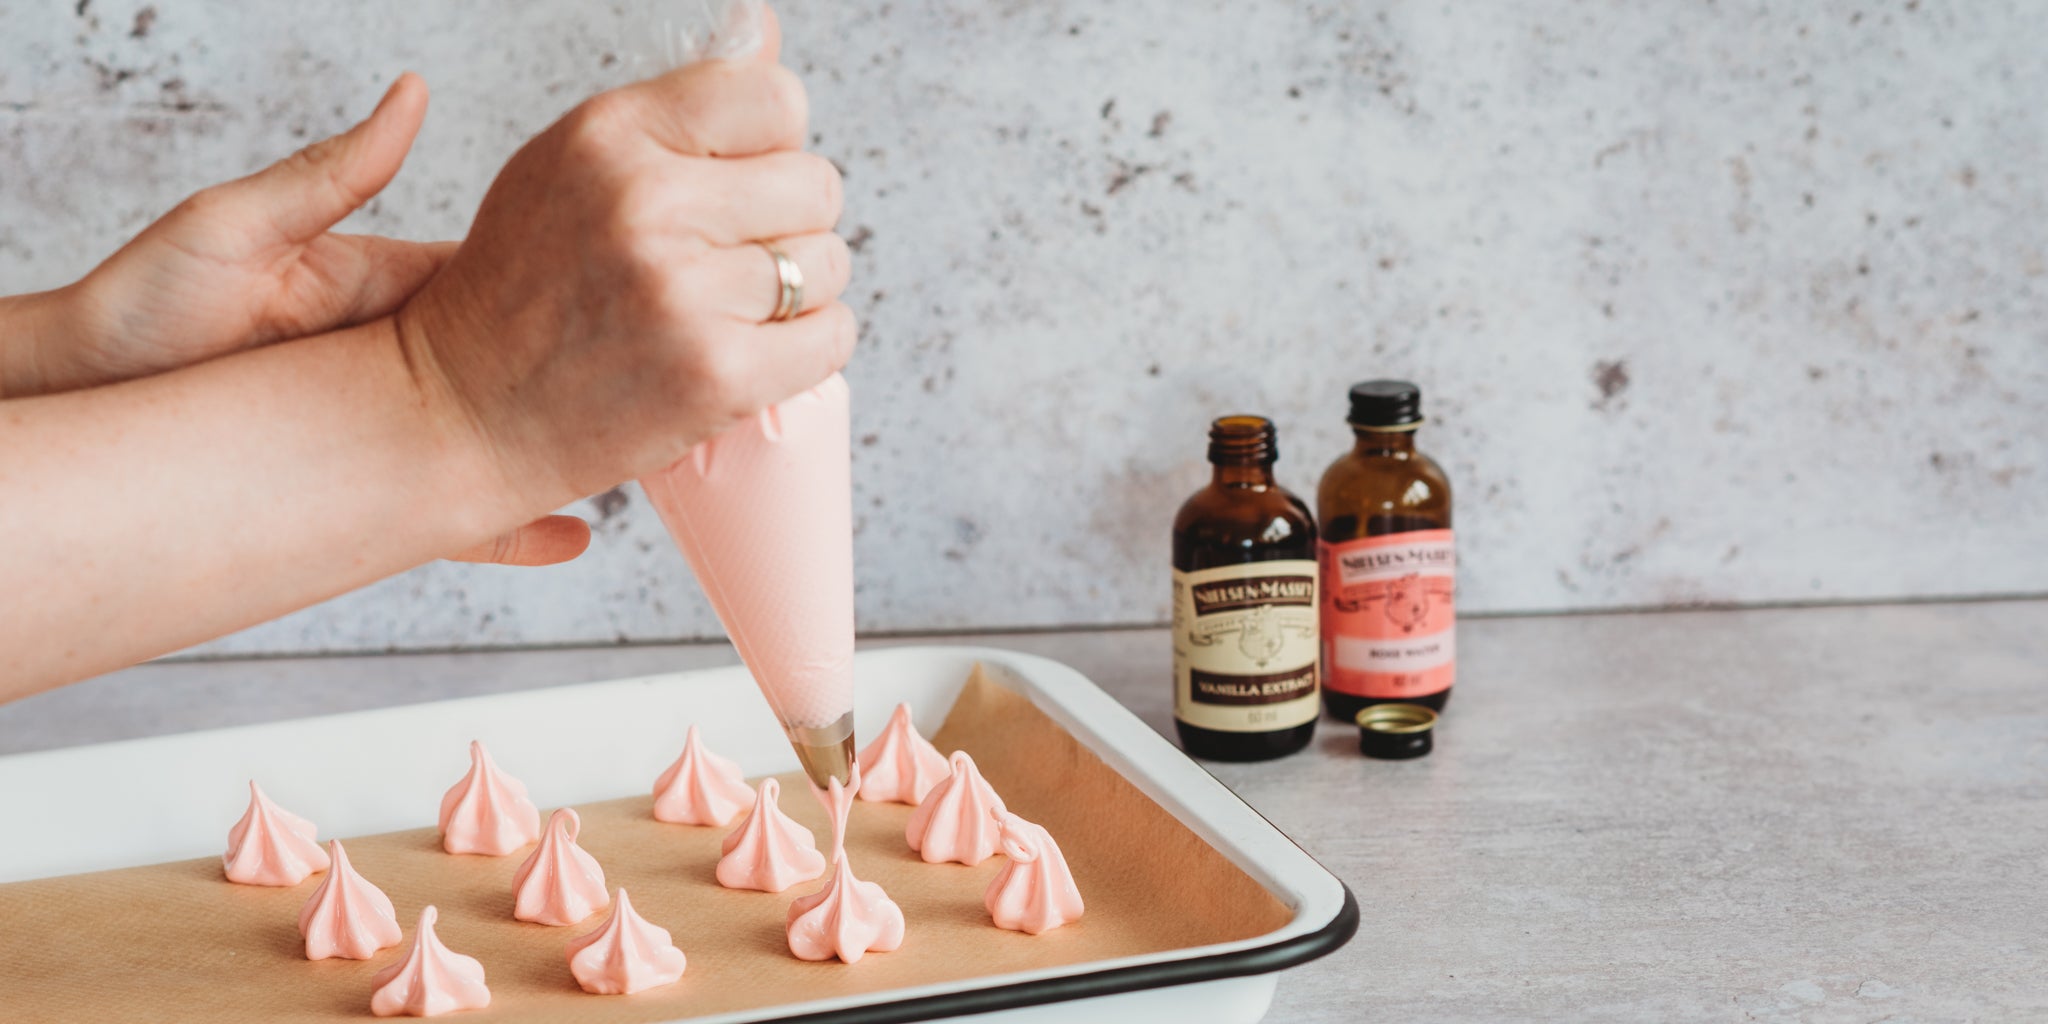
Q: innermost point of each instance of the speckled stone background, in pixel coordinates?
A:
(1711, 303)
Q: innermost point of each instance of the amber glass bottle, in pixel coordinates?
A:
(1388, 563)
(1244, 605)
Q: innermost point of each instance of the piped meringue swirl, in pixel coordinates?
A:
(487, 812)
(700, 788)
(347, 917)
(900, 766)
(626, 954)
(769, 851)
(560, 882)
(848, 918)
(271, 846)
(1035, 891)
(431, 980)
(955, 822)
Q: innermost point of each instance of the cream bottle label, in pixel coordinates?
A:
(1244, 646)
(1389, 614)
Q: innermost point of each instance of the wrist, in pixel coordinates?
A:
(492, 498)
(32, 342)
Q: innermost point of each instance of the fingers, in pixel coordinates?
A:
(745, 277)
(380, 275)
(545, 541)
(718, 108)
(308, 192)
(348, 280)
(783, 358)
(733, 202)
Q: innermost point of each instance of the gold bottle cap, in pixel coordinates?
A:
(1393, 732)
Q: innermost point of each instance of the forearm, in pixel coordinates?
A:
(143, 517)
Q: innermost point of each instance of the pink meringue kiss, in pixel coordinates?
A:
(848, 918)
(900, 766)
(1035, 891)
(701, 788)
(624, 955)
(769, 851)
(487, 812)
(271, 846)
(431, 980)
(560, 883)
(347, 916)
(955, 821)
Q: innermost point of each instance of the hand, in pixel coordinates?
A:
(248, 262)
(606, 311)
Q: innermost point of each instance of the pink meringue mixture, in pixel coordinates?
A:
(271, 846)
(848, 918)
(560, 883)
(431, 980)
(487, 812)
(1035, 891)
(769, 851)
(701, 788)
(764, 513)
(900, 766)
(624, 955)
(955, 822)
(347, 916)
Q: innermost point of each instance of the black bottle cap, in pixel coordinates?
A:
(1386, 404)
(1396, 732)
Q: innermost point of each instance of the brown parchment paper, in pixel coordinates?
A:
(178, 942)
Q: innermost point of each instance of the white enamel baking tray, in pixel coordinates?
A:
(179, 793)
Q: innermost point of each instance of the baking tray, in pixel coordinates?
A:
(179, 790)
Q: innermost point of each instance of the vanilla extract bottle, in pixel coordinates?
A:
(1245, 619)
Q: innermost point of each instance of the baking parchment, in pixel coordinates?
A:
(178, 942)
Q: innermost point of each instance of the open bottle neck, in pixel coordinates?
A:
(1243, 451)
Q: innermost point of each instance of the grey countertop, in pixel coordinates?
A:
(1824, 814)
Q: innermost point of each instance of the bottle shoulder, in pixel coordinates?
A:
(1362, 495)
(1227, 525)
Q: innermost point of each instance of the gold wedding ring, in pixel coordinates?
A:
(789, 299)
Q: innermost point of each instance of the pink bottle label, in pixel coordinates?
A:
(1389, 614)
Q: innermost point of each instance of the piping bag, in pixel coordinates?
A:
(764, 511)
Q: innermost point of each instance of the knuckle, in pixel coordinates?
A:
(592, 126)
(698, 198)
(665, 295)
(836, 262)
(205, 204)
(842, 331)
(634, 202)
(317, 154)
(323, 162)
(716, 374)
(506, 547)
(826, 190)
(784, 100)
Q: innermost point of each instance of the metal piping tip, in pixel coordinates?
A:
(826, 752)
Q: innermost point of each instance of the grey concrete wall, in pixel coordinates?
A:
(1712, 303)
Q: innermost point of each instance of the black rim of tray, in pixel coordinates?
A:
(1265, 959)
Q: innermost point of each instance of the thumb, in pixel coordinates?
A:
(771, 35)
(545, 541)
(309, 191)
